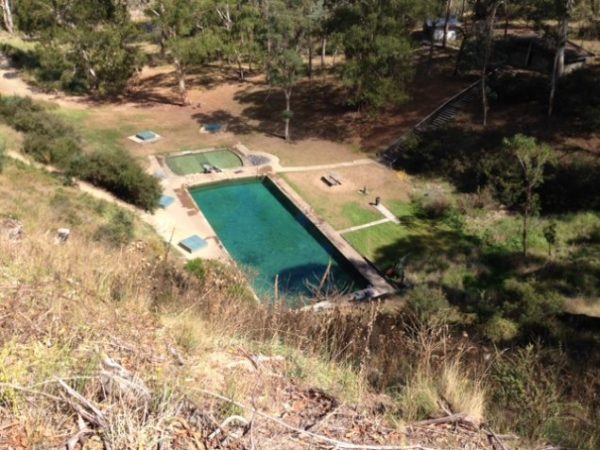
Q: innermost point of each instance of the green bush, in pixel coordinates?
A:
(117, 232)
(120, 174)
(197, 268)
(428, 304)
(50, 141)
(526, 304)
(59, 151)
(531, 397)
(498, 329)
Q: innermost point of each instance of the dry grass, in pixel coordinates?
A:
(65, 308)
(460, 391)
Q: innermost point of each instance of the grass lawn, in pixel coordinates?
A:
(345, 206)
(372, 242)
(194, 162)
(99, 134)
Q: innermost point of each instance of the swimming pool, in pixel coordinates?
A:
(189, 163)
(270, 238)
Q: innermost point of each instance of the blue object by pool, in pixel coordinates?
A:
(213, 127)
(146, 135)
(270, 237)
(166, 201)
(193, 244)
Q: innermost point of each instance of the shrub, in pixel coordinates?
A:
(197, 268)
(120, 174)
(59, 151)
(528, 305)
(530, 394)
(498, 329)
(49, 140)
(429, 305)
(119, 231)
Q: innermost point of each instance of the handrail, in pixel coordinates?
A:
(446, 103)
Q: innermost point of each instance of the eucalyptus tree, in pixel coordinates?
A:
(187, 35)
(564, 9)
(241, 26)
(7, 15)
(314, 24)
(287, 25)
(378, 54)
(485, 12)
(93, 36)
(517, 174)
(447, 13)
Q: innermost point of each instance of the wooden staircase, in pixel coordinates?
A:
(441, 116)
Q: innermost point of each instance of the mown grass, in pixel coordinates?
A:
(340, 216)
(96, 136)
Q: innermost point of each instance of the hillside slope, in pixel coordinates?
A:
(103, 341)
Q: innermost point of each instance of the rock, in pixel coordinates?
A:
(62, 235)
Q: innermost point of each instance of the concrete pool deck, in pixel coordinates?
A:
(183, 218)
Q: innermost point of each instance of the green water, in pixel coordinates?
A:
(193, 162)
(269, 237)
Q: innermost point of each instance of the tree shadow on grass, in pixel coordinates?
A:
(318, 111)
(233, 124)
(428, 249)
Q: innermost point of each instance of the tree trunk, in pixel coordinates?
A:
(529, 53)
(446, 22)
(559, 59)
(180, 71)
(462, 10)
(8, 17)
(459, 55)
(323, 52)
(506, 18)
(526, 214)
(525, 233)
(489, 36)
(240, 66)
(430, 57)
(288, 113)
(310, 58)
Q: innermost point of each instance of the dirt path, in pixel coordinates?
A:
(11, 83)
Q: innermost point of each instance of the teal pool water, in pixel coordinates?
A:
(270, 237)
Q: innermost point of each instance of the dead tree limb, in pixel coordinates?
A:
(315, 436)
(83, 406)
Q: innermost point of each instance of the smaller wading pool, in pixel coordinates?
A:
(267, 234)
(190, 163)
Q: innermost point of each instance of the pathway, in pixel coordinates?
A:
(387, 213)
(11, 83)
(356, 162)
(366, 225)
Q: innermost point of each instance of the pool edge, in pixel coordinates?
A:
(350, 254)
(358, 261)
